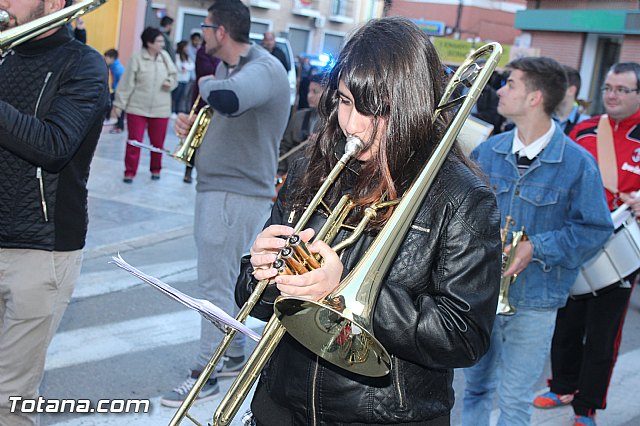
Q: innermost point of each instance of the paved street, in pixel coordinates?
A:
(121, 339)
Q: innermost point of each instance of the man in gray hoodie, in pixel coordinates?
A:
(236, 168)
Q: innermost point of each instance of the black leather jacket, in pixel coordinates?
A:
(434, 313)
(53, 99)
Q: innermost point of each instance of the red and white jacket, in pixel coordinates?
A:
(626, 136)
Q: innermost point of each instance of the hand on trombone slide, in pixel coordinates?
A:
(524, 254)
(313, 285)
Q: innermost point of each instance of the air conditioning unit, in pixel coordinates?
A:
(319, 21)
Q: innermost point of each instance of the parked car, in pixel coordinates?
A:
(283, 44)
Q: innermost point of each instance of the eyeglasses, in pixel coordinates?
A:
(212, 26)
(618, 90)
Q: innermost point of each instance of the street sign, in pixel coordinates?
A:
(433, 28)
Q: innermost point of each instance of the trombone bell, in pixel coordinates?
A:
(335, 333)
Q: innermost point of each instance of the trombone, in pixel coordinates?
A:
(15, 36)
(343, 332)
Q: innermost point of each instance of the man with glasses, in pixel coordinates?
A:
(236, 165)
(589, 328)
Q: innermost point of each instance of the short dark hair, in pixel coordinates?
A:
(623, 67)
(111, 53)
(573, 77)
(543, 74)
(234, 16)
(166, 20)
(194, 35)
(149, 35)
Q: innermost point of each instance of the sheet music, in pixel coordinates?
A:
(208, 310)
(474, 131)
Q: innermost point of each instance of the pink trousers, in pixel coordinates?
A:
(136, 125)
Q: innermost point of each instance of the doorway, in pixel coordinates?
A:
(607, 54)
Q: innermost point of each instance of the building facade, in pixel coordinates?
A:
(471, 20)
(311, 26)
(589, 35)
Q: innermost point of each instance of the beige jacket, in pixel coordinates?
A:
(140, 88)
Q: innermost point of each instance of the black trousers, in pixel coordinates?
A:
(585, 347)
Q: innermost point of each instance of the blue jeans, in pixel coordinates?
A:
(519, 348)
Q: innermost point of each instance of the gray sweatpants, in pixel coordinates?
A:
(226, 225)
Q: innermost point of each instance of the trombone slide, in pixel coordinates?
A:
(17, 35)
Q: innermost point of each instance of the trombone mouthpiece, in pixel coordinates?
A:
(353, 147)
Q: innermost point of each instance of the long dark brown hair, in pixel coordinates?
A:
(393, 72)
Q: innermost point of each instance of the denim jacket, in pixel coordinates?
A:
(560, 202)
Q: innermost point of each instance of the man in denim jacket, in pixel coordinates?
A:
(552, 187)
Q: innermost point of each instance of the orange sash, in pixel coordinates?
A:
(607, 155)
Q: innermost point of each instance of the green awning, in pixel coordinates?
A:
(607, 21)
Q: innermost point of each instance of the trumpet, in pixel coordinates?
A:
(504, 307)
(15, 36)
(187, 146)
(186, 149)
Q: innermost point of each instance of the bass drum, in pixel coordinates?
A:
(618, 259)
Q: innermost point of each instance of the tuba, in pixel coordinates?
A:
(15, 36)
(504, 307)
(338, 328)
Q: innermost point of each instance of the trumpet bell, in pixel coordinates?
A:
(335, 334)
(504, 307)
(186, 149)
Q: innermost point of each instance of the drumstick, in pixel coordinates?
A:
(293, 150)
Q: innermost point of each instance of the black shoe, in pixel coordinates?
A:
(127, 180)
(176, 396)
(155, 176)
(231, 366)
